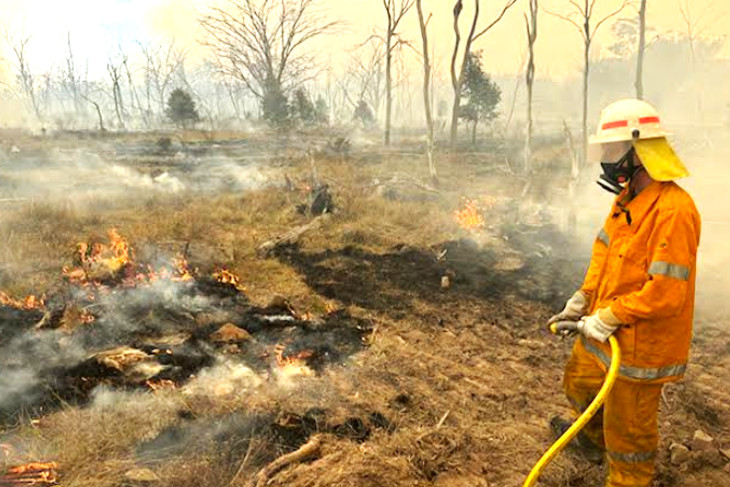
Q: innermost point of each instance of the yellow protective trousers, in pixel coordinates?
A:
(626, 428)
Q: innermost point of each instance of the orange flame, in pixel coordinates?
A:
(227, 277)
(31, 474)
(470, 216)
(29, 303)
(294, 365)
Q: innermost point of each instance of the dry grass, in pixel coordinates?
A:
(467, 383)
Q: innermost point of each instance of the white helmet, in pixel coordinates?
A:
(627, 120)
(638, 122)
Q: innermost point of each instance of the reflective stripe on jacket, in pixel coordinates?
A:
(644, 267)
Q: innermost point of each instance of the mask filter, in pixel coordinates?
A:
(617, 174)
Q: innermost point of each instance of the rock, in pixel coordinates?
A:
(679, 454)
(701, 441)
(230, 333)
(445, 282)
(141, 476)
(121, 358)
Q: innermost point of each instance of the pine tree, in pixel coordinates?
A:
(181, 108)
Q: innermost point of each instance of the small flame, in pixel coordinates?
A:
(29, 303)
(470, 216)
(227, 277)
(295, 365)
(31, 474)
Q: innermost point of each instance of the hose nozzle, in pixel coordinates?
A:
(564, 327)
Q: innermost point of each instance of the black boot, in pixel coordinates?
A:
(581, 443)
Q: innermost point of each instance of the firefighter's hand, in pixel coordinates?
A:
(600, 325)
(574, 310)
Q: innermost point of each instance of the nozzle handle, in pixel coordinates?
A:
(560, 327)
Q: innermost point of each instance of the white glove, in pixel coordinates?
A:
(575, 309)
(599, 325)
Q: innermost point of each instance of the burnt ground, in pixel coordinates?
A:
(476, 355)
(453, 387)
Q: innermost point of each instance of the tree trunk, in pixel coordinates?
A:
(640, 55)
(531, 25)
(98, 113)
(388, 85)
(586, 72)
(427, 92)
(474, 133)
(458, 79)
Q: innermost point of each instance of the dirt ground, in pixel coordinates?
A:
(455, 384)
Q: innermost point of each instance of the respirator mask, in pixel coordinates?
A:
(617, 174)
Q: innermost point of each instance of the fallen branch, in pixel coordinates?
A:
(292, 236)
(308, 450)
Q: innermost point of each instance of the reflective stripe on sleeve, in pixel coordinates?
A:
(637, 373)
(603, 237)
(637, 457)
(674, 271)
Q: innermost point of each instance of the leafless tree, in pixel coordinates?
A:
(582, 17)
(114, 68)
(531, 26)
(71, 78)
(395, 11)
(97, 107)
(365, 75)
(697, 18)
(458, 69)
(427, 75)
(18, 44)
(134, 96)
(639, 84)
(261, 42)
(163, 61)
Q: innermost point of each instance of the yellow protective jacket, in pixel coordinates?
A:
(644, 267)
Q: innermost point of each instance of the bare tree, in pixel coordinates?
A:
(427, 74)
(395, 11)
(582, 16)
(163, 61)
(18, 43)
(531, 26)
(458, 69)
(639, 83)
(115, 74)
(696, 20)
(71, 79)
(366, 72)
(97, 107)
(261, 42)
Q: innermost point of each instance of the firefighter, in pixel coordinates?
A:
(640, 287)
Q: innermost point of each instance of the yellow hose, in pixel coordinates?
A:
(584, 418)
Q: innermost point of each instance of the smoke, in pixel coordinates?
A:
(80, 175)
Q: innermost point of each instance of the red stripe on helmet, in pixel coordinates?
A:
(614, 125)
(649, 120)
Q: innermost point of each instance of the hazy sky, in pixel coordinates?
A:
(98, 27)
